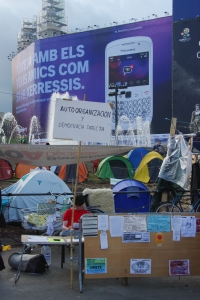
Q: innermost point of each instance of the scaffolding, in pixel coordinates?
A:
(50, 22)
(27, 33)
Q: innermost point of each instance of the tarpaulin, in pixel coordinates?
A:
(43, 155)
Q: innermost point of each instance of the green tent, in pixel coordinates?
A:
(115, 167)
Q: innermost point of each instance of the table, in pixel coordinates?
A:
(52, 240)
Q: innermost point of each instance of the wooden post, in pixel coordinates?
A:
(173, 126)
(71, 234)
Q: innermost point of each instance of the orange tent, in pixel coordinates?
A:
(22, 169)
(68, 172)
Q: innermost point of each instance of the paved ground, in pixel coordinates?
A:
(55, 284)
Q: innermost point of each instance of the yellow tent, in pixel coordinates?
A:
(144, 171)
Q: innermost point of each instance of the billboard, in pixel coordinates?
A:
(186, 74)
(136, 56)
(182, 9)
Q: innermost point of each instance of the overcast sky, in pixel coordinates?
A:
(80, 14)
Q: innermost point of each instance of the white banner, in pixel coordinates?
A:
(43, 155)
(82, 121)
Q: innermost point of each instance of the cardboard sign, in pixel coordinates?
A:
(82, 121)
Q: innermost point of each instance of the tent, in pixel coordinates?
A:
(6, 171)
(132, 201)
(136, 155)
(22, 169)
(35, 182)
(149, 167)
(68, 172)
(115, 167)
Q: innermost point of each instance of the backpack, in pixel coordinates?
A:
(32, 263)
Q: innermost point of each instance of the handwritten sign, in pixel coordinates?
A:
(82, 121)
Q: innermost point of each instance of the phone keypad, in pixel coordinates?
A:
(140, 107)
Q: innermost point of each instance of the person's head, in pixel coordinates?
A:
(47, 143)
(197, 107)
(159, 142)
(80, 201)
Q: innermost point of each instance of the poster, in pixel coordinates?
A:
(95, 265)
(179, 267)
(140, 266)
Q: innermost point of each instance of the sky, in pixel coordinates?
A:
(79, 13)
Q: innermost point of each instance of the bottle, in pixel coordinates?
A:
(64, 206)
(46, 251)
(69, 203)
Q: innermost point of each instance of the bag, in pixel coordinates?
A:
(32, 263)
(2, 266)
(2, 220)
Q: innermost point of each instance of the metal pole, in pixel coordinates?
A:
(116, 115)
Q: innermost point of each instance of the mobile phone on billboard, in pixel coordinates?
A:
(129, 63)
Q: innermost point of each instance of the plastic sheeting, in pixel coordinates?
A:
(177, 164)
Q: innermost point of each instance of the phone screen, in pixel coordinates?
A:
(130, 69)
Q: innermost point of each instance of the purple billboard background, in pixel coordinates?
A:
(75, 63)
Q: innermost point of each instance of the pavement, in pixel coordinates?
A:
(54, 283)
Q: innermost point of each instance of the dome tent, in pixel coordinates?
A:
(149, 167)
(22, 169)
(68, 172)
(133, 201)
(136, 155)
(6, 171)
(36, 182)
(115, 167)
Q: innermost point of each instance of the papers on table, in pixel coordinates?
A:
(37, 239)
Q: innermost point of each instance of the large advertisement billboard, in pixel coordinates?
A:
(186, 75)
(136, 56)
(185, 9)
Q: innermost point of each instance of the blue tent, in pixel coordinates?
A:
(136, 155)
(133, 201)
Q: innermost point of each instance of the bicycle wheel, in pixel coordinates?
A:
(198, 208)
(167, 208)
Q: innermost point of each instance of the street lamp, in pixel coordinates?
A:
(116, 93)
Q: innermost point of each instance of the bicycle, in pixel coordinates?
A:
(175, 205)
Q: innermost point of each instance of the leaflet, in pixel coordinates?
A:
(136, 237)
(134, 223)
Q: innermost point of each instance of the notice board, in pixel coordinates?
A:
(160, 250)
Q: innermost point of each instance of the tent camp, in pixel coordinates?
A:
(6, 171)
(132, 201)
(36, 182)
(136, 155)
(68, 172)
(149, 167)
(115, 167)
(22, 169)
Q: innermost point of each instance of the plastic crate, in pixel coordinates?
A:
(25, 217)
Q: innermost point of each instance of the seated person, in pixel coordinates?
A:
(78, 212)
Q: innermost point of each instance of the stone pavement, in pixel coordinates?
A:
(55, 284)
